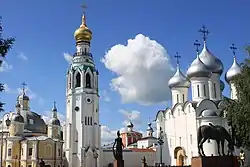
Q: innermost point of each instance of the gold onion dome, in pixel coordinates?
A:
(83, 33)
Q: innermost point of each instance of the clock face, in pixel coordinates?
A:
(77, 108)
(88, 100)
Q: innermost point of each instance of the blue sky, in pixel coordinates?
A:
(44, 32)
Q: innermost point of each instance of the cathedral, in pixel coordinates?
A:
(27, 140)
(179, 123)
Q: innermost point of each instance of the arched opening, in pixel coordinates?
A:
(78, 80)
(69, 81)
(180, 156)
(9, 166)
(88, 81)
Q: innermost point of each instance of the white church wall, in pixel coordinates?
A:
(214, 87)
(200, 89)
(131, 158)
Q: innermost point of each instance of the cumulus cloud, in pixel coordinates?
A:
(104, 96)
(142, 68)
(5, 67)
(134, 116)
(22, 56)
(67, 57)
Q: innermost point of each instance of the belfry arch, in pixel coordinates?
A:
(180, 156)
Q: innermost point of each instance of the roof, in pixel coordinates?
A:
(141, 150)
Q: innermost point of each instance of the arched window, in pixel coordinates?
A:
(88, 81)
(69, 79)
(78, 79)
(48, 151)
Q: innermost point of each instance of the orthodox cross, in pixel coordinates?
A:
(84, 7)
(54, 104)
(177, 56)
(24, 84)
(204, 32)
(233, 48)
(197, 44)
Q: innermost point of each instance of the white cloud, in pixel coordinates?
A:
(104, 96)
(143, 70)
(134, 116)
(5, 67)
(108, 135)
(67, 57)
(22, 56)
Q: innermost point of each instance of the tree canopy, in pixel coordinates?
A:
(238, 111)
(5, 46)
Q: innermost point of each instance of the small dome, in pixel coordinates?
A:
(55, 121)
(130, 125)
(222, 85)
(23, 96)
(17, 118)
(83, 33)
(209, 113)
(234, 70)
(198, 69)
(212, 62)
(178, 80)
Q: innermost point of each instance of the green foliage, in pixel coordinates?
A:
(5, 46)
(238, 111)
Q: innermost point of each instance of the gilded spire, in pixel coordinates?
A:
(84, 25)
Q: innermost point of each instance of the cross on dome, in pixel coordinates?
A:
(177, 56)
(204, 32)
(24, 84)
(197, 44)
(233, 48)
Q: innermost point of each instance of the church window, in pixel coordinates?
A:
(85, 120)
(189, 108)
(69, 79)
(88, 120)
(29, 165)
(30, 151)
(48, 151)
(214, 90)
(9, 152)
(85, 50)
(198, 90)
(177, 98)
(59, 152)
(191, 139)
(183, 98)
(180, 140)
(204, 87)
(78, 80)
(88, 81)
(9, 165)
(178, 112)
(22, 151)
(31, 121)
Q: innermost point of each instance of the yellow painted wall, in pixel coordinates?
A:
(46, 149)
(15, 154)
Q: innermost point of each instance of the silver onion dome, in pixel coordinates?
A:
(212, 62)
(178, 80)
(234, 70)
(198, 69)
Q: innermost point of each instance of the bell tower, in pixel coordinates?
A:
(82, 137)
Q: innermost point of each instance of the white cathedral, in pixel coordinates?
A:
(179, 123)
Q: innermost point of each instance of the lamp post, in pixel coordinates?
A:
(161, 142)
(7, 122)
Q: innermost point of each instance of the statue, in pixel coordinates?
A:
(119, 146)
(214, 132)
(42, 163)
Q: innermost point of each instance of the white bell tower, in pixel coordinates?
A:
(82, 138)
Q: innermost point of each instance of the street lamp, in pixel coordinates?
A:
(161, 142)
(7, 122)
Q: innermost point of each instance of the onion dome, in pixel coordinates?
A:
(83, 33)
(150, 127)
(54, 120)
(212, 62)
(17, 117)
(23, 96)
(178, 80)
(198, 69)
(222, 85)
(130, 125)
(234, 70)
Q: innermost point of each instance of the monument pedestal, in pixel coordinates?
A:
(215, 161)
(118, 163)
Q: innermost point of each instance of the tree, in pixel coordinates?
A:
(5, 46)
(238, 111)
